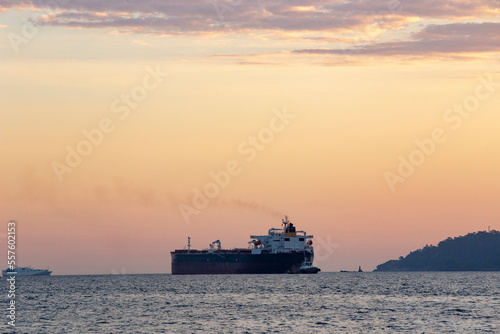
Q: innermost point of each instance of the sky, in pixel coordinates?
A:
(127, 126)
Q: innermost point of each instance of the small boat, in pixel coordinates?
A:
(305, 268)
(347, 271)
(26, 271)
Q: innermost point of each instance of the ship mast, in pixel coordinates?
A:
(285, 223)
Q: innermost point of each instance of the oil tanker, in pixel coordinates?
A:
(282, 250)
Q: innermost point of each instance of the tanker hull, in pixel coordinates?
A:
(228, 262)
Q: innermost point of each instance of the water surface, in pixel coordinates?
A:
(324, 303)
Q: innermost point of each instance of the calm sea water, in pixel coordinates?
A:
(323, 303)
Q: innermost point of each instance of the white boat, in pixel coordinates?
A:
(26, 271)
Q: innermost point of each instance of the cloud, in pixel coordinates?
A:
(433, 39)
(6, 5)
(201, 16)
(317, 27)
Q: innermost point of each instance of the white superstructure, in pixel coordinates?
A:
(283, 240)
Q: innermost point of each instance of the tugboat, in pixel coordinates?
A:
(305, 268)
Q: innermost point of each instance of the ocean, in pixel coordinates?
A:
(416, 302)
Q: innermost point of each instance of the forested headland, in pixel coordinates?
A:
(479, 251)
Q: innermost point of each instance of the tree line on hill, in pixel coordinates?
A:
(479, 251)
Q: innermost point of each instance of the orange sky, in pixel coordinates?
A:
(333, 165)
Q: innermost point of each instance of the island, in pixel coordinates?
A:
(479, 251)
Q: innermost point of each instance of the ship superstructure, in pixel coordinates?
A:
(283, 240)
(280, 251)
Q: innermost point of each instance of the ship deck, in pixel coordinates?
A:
(208, 251)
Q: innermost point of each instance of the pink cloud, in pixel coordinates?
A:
(311, 21)
(197, 16)
(434, 39)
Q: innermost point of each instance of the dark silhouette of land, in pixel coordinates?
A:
(479, 251)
